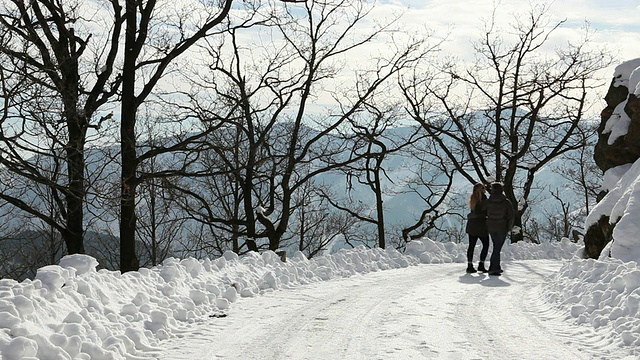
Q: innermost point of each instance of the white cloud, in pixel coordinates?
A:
(615, 24)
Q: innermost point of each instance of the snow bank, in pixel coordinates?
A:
(602, 294)
(613, 175)
(430, 252)
(622, 205)
(72, 311)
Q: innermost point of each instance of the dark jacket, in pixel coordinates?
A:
(477, 219)
(500, 215)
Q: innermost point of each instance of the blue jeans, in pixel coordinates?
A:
(498, 240)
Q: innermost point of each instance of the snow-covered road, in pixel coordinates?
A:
(419, 312)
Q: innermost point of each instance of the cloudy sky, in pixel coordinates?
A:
(615, 22)
(618, 17)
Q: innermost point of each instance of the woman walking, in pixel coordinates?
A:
(477, 227)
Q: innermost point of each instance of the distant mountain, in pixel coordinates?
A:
(402, 206)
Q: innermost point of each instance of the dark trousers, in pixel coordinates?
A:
(473, 240)
(497, 239)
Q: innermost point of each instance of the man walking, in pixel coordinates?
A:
(500, 218)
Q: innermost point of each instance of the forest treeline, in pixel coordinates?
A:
(137, 130)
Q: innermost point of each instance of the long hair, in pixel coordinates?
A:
(476, 195)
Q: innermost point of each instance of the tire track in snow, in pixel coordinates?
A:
(420, 312)
(499, 323)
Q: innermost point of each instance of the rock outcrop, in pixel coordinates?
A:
(618, 143)
(623, 149)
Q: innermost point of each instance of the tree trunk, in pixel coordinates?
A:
(128, 258)
(379, 208)
(77, 122)
(248, 210)
(153, 226)
(75, 199)
(75, 195)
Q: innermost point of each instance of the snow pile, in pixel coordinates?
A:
(622, 205)
(72, 311)
(603, 294)
(430, 252)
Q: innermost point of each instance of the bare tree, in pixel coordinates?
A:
(316, 225)
(213, 195)
(431, 182)
(146, 59)
(160, 220)
(521, 109)
(53, 83)
(154, 39)
(324, 46)
(25, 248)
(580, 170)
(271, 81)
(374, 142)
(556, 224)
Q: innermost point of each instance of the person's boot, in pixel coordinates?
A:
(481, 267)
(470, 269)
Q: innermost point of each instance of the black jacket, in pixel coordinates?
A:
(477, 219)
(500, 215)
